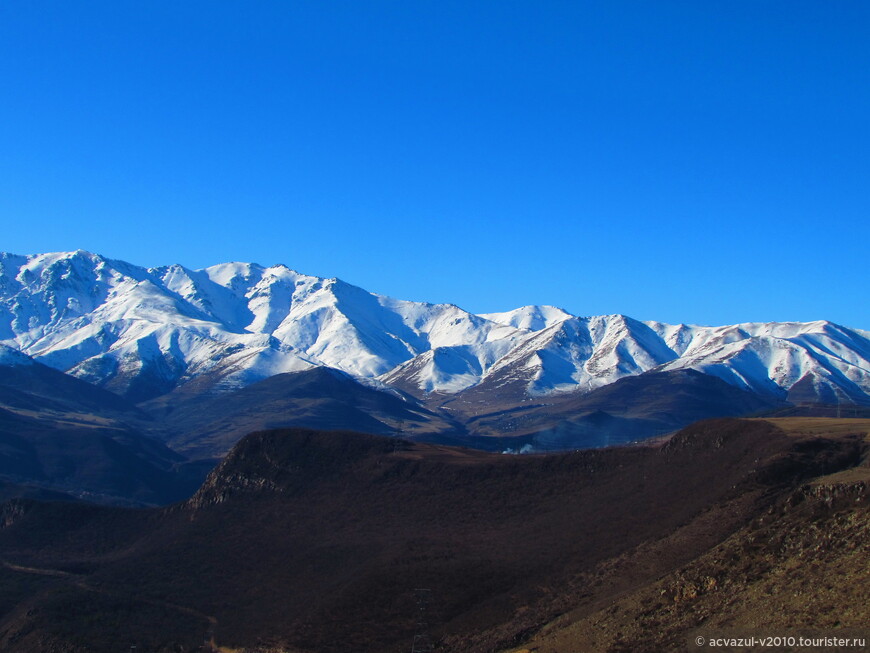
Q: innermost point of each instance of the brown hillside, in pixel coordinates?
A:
(315, 541)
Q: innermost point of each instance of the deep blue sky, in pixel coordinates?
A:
(688, 161)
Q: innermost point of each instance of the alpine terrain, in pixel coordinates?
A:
(162, 370)
(251, 459)
(144, 332)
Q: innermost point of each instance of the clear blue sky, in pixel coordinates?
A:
(704, 162)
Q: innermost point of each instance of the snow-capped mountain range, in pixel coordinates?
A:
(143, 332)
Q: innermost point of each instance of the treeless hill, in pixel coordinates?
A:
(205, 425)
(800, 568)
(312, 541)
(64, 435)
(630, 409)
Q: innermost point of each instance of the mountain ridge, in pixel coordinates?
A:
(141, 332)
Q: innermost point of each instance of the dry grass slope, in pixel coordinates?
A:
(313, 542)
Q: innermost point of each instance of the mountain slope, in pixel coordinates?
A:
(310, 541)
(206, 425)
(63, 434)
(144, 332)
(630, 409)
(798, 569)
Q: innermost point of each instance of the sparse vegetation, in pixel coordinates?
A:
(306, 541)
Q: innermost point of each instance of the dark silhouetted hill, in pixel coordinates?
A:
(65, 435)
(315, 541)
(207, 425)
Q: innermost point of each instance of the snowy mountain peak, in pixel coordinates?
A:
(532, 318)
(142, 332)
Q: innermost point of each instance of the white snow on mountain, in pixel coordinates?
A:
(142, 332)
(531, 318)
(10, 357)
